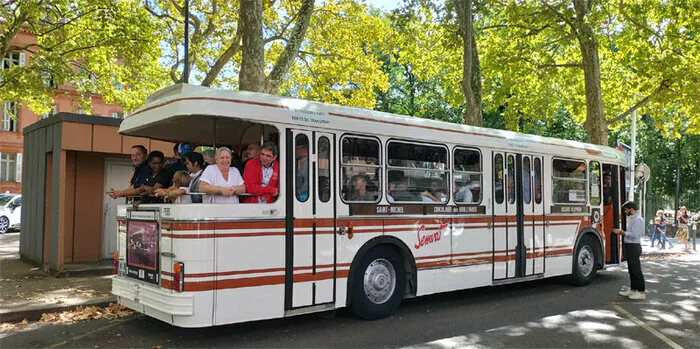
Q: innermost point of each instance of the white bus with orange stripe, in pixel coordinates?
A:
(396, 207)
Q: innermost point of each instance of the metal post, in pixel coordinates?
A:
(634, 146)
(186, 72)
(643, 199)
(678, 184)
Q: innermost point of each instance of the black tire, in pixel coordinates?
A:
(361, 304)
(4, 224)
(585, 262)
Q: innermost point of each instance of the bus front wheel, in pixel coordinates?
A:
(378, 283)
(584, 262)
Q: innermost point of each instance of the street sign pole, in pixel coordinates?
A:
(634, 146)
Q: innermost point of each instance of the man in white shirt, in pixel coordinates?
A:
(633, 249)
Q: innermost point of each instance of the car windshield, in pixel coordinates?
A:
(4, 199)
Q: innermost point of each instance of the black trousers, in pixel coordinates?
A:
(634, 266)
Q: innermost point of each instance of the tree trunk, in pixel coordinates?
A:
(595, 123)
(286, 59)
(252, 75)
(471, 72)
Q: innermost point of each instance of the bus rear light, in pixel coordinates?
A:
(116, 263)
(179, 277)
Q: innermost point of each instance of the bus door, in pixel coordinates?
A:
(532, 215)
(500, 219)
(509, 219)
(310, 220)
(538, 222)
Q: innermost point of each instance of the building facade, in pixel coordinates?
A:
(16, 116)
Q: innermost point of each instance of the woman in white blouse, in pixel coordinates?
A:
(222, 182)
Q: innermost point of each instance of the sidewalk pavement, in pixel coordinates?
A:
(656, 251)
(26, 291)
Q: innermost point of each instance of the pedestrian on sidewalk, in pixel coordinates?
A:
(656, 233)
(633, 250)
(662, 229)
(683, 218)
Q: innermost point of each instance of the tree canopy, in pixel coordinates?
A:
(108, 47)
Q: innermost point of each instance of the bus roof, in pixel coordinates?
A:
(191, 113)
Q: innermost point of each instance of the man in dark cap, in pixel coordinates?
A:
(633, 249)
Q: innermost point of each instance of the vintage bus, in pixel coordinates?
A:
(395, 207)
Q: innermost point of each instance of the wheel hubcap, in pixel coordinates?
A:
(379, 281)
(585, 260)
(4, 224)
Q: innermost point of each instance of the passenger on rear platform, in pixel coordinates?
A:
(180, 187)
(158, 179)
(262, 176)
(222, 182)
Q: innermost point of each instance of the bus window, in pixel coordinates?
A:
(498, 178)
(569, 182)
(538, 181)
(511, 179)
(301, 169)
(467, 176)
(417, 173)
(527, 192)
(360, 168)
(324, 173)
(594, 182)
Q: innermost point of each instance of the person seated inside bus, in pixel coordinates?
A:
(463, 193)
(181, 181)
(396, 188)
(302, 168)
(578, 193)
(157, 179)
(194, 162)
(360, 191)
(262, 175)
(221, 182)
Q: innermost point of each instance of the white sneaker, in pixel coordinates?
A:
(637, 295)
(627, 293)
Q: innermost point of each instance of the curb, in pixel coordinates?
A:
(34, 312)
(102, 271)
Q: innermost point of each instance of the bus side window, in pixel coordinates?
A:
(498, 178)
(594, 182)
(538, 181)
(511, 179)
(360, 168)
(417, 173)
(301, 168)
(527, 190)
(569, 182)
(467, 176)
(324, 173)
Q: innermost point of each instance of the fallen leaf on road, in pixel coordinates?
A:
(157, 347)
(112, 311)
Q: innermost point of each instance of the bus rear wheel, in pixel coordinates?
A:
(378, 283)
(585, 262)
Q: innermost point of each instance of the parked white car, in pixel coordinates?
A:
(10, 212)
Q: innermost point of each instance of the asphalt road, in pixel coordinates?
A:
(543, 314)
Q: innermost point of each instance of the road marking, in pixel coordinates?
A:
(646, 326)
(73, 339)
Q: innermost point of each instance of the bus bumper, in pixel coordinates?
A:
(152, 300)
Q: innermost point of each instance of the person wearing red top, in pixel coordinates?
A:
(262, 175)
